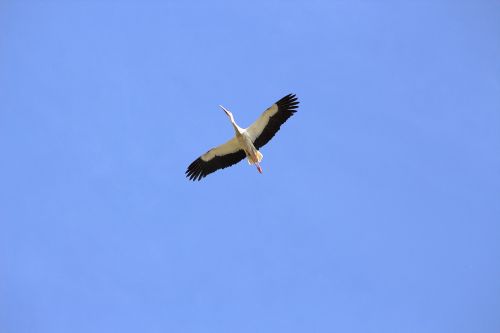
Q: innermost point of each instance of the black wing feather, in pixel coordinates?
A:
(200, 168)
(287, 106)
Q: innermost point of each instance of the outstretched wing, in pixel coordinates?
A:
(269, 123)
(216, 158)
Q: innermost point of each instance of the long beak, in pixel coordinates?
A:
(225, 110)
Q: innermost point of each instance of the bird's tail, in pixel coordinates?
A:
(259, 156)
(255, 158)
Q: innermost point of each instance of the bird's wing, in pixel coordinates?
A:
(264, 128)
(216, 158)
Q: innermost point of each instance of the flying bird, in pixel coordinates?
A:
(246, 142)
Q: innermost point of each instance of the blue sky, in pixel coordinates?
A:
(378, 209)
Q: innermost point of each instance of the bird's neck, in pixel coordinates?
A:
(237, 129)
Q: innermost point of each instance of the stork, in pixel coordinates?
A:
(246, 142)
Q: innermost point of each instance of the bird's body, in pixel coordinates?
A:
(246, 141)
(246, 144)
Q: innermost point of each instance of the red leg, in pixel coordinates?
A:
(258, 167)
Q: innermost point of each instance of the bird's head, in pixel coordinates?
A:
(229, 114)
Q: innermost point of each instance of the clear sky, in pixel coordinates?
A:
(378, 209)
